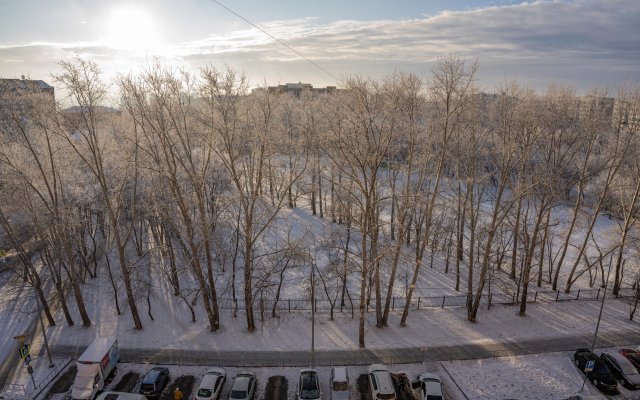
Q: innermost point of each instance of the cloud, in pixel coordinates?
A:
(565, 29)
(577, 40)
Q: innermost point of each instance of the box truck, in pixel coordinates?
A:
(95, 365)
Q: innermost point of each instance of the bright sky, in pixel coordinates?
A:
(583, 43)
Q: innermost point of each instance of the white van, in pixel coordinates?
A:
(120, 396)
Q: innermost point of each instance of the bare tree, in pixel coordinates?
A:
(628, 115)
(449, 90)
(160, 104)
(88, 138)
(35, 155)
(358, 142)
(244, 128)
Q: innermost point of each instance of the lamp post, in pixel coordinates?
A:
(595, 335)
(44, 333)
(313, 312)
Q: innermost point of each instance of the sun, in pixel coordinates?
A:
(131, 29)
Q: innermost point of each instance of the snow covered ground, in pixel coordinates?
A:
(172, 328)
(531, 377)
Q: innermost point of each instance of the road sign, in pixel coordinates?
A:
(24, 351)
(590, 365)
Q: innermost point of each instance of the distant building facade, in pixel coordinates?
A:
(601, 106)
(298, 88)
(17, 96)
(25, 86)
(626, 115)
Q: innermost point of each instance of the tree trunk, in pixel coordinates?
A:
(542, 248)
(514, 251)
(529, 257)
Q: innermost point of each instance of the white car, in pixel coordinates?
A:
(211, 385)
(380, 383)
(308, 385)
(431, 386)
(340, 384)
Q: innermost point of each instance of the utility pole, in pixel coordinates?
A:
(595, 335)
(313, 312)
(44, 333)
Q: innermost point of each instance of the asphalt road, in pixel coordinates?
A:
(363, 356)
(11, 362)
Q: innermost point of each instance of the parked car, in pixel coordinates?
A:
(622, 369)
(380, 383)
(601, 376)
(339, 383)
(632, 356)
(431, 386)
(154, 382)
(211, 385)
(244, 386)
(308, 385)
(120, 396)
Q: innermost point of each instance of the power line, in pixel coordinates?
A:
(278, 40)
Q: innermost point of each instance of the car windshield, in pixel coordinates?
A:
(151, 376)
(238, 394)
(340, 386)
(205, 392)
(386, 396)
(433, 397)
(147, 387)
(309, 386)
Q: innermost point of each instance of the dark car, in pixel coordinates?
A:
(308, 385)
(601, 376)
(632, 356)
(623, 369)
(154, 382)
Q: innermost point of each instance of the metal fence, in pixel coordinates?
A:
(419, 302)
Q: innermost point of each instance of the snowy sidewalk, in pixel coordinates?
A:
(408, 355)
(432, 335)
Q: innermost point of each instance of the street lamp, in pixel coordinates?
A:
(44, 333)
(313, 312)
(595, 335)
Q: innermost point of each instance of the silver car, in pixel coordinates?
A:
(211, 385)
(244, 386)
